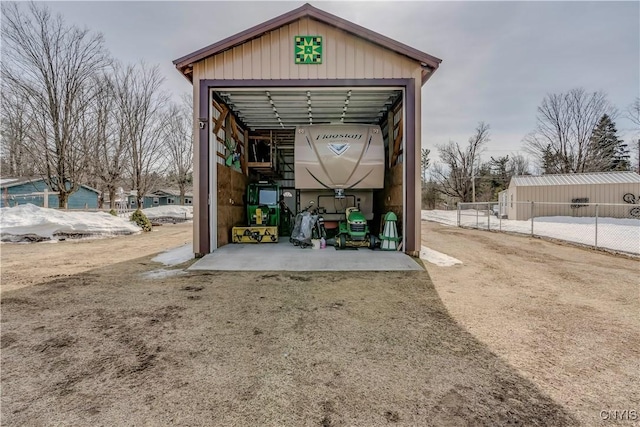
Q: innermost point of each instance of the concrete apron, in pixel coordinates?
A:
(284, 256)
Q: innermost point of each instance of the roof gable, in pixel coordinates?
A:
(185, 63)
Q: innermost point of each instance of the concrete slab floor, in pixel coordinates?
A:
(283, 256)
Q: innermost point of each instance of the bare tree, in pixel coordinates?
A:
(15, 134)
(140, 103)
(111, 138)
(455, 174)
(178, 140)
(51, 65)
(633, 114)
(565, 122)
(518, 164)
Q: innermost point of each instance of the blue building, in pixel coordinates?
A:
(23, 190)
(160, 198)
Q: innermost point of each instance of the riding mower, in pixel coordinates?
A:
(353, 231)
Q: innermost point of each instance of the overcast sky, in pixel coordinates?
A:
(499, 58)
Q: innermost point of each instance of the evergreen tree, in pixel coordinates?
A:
(621, 160)
(607, 152)
(550, 161)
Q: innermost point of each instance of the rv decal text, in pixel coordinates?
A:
(339, 135)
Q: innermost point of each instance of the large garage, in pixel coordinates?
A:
(307, 80)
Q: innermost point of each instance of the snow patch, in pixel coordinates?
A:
(31, 220)
(162, 273)
(175, 256)
(438, 258)
(619, 234)
(5, 181)
(170, 211)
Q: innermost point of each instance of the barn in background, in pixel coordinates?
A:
(571, 195)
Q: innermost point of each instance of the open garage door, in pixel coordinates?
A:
(260, 125)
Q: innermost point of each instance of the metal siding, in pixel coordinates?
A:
(370, 61)
(258, 63)
(294, 70)
(227, 64)
(218, 67)
(236, 62)
(246, 61)
(271, 57)
(274, 52)
(303, 29)
(286, 56)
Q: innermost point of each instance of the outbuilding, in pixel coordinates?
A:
(34, 190)
(571, 195)
(305, 67)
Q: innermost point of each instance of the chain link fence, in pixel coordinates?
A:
(600, 225)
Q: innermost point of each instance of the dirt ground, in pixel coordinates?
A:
(30, 264)
(546, 341)
(566, 318)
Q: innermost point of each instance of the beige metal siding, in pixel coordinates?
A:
(271, 57)
(596, 193)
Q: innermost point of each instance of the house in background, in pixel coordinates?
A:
(23, 190)
(572, 194)
(161, 197)
(171, 196)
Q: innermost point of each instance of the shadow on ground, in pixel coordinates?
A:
(324, 349)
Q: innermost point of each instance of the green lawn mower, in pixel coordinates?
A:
(353, 231)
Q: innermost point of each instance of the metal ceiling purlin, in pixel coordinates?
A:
(290, 107)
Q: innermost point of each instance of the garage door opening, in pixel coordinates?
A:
(254, 134)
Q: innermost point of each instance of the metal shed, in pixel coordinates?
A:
(561, 194)
(253, 85)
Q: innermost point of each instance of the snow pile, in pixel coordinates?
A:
(437, 258)
(173, 212)
(23, 222)
(175, 256)
(619, 234)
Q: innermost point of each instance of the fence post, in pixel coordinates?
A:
(458, 214)
(596, 226)
(477, 217)
(531, 218)
(489, 211)
(500, 217)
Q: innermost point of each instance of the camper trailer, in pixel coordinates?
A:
(338, 167)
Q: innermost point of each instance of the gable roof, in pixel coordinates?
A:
(9, 182)
(185, 63)
(577, 179)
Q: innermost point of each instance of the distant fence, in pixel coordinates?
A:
(599, 225)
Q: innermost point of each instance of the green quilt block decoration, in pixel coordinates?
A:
(308, 49)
